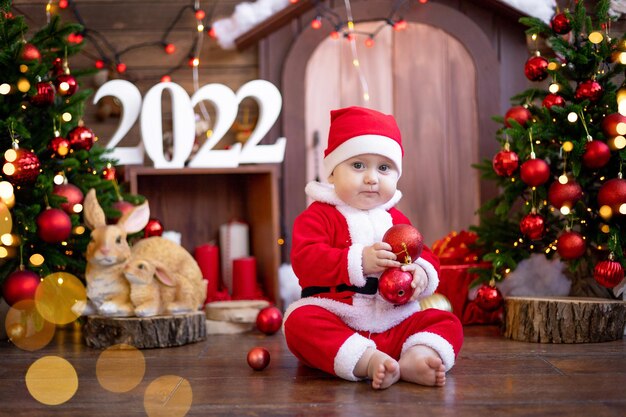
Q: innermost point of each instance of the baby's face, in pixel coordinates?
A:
(365, 181)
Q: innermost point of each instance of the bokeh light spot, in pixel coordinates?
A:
(26, 328)
(6, 221)
(51, 380)
(57, 294)
(168, 396)
(120, 368)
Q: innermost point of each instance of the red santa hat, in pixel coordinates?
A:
(357, 131)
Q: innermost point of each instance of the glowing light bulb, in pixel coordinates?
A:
(6, 190)
(170, 48)
(99, 64)
(200, 14)
(36, 259)
(5, 89)
(369, 42)
(568, 146)
(67, 116)
(554, 88)
(166, 79)
(121, 67)
(200, 27)
(59, 179)
(596, 37)
(23, 85)
(565, 210)
(316, 23)
(334, 34)
(572, 117)
(563, 179)
(605, 212)
(553, 66)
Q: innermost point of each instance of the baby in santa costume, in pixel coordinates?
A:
(341, 324)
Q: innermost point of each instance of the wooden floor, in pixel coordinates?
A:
(493, 377)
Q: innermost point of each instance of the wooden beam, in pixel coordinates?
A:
(273, 23)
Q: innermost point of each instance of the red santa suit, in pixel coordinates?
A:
(332, 329)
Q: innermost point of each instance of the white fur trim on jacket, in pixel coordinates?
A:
(355, 265)
(435, 342)
(433, 277)
(349, 354)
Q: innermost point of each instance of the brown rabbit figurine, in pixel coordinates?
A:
(152, 287)
(108, 292)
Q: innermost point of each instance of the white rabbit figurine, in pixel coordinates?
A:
(108, 292)
(172, 265)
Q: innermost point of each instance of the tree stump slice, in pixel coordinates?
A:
(145, 332)
(236, 311)
(564, 319)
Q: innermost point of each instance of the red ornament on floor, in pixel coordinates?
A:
(153, 228)
(406, 242)
(535, 172)
(54, 225)
(518, 113)
(269, 320)
(72, 193)
(505, 163)
(608, 273)
(489, 298)
(258, 358)
(20, 285)
(532, 226)
(536, 68)
(597, 154)
(571, 245)
(394, 285)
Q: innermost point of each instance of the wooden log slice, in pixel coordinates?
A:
(145, 332)
(235, 311)
(564, 319)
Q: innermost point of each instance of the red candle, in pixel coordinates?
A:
(244, 278)
(208, 257)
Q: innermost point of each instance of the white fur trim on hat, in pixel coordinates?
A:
(349, 354)
(364, 144)
(436, 343)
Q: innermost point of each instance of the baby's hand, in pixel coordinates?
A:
(420, 279)
(378, 257)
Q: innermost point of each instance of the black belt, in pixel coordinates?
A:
(370, 287)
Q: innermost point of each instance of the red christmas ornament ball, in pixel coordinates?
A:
(553, 100)
(44, 95)
(532, 226)
(81, 137)
(153, 228)
(518, 113)
(560, 23)
(21, 167)
(109, 173)
(566, 194)
(72, 193)
(394, 285)
(613, 194)
(258, 358)
(489, 298)
(610, 123)
(406, 242)
(20, 285)
(608, 273)
(59, 146)
(123, 207)
(571, 245)
(269, 320)
(30, 53)
(66, 84)
(597, 154)
(505, 163)
(53, 225)
(58, 66)
(535, 172)
(588, 90)
(536, 68)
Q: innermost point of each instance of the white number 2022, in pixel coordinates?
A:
(226, 104)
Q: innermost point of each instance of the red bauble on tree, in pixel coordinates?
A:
(489, 298)
(59, 146)
(608, 273)
(611, 123)
(109, 173)
(532, 226)
(571, 245)
(269, 320)
(613, 194)
(30, 53)
(518, 113)
(553, 100)
(394, 285)
(597, 154)
(54, 225)
(21, 166)
(535, 172)
(566, 194)
(561, 24)
(153, 228)
(505, 162)
(44, 95)
(123, 207)
(20, 285)
(72, 193)
(81, 137)
(536, 68)
(588, 90)
(406, 242)
(66, 85)
(258, 358)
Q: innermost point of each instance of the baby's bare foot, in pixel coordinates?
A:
(422, 365)
(383, 370)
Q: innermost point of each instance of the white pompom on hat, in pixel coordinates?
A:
(357, 131)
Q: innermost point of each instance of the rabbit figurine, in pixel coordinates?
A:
(152, 287)
(173, 266)
(108, 292)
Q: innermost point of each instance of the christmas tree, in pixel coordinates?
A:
(560, 169)
(50, 160)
